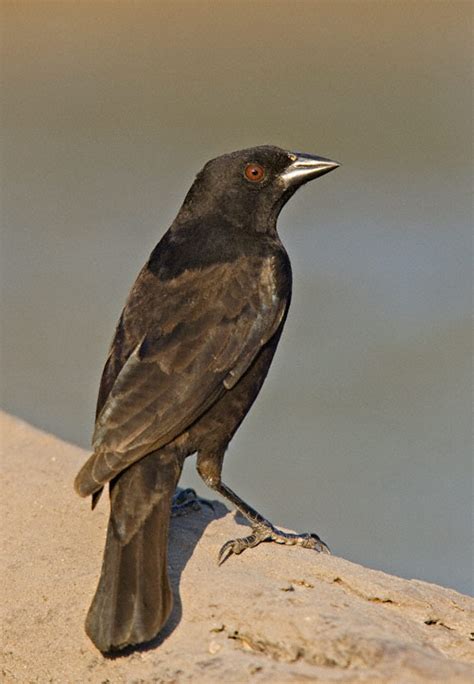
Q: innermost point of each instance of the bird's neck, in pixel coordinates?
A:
(257, 215)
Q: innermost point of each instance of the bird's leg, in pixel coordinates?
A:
(186, 501)
(209, 468)
(262, 530)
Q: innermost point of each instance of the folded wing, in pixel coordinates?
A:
(180, 344)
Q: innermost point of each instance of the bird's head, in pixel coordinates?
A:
(251, 186)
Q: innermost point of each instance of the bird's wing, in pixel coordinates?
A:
(207, 328)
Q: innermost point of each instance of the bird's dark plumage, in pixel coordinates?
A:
(191, 350)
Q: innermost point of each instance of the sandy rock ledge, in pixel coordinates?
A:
(275, 614)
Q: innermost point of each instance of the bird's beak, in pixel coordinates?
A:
(306, 167)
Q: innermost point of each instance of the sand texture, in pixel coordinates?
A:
(273, 614)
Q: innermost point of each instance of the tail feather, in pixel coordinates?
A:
(133, 599)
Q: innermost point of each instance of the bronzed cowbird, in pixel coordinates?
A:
(190, 353)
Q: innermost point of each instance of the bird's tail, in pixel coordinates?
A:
(133, 599)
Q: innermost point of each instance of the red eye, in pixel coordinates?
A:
(254, 172)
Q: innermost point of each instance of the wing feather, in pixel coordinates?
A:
(179, 345)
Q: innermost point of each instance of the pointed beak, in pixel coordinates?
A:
(306, 167)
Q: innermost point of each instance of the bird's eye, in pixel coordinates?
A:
(254, 172)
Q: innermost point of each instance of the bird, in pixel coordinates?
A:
(191, 351)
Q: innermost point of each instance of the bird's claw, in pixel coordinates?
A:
(236, 546)
(264, 533)
(310, 540)
(186, 500)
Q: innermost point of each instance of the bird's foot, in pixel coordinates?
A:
(186, 501)
(268, 533)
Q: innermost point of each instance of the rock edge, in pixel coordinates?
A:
(273, 614)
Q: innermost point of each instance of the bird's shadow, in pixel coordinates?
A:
(185, 533)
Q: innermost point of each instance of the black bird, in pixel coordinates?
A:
(191, 350)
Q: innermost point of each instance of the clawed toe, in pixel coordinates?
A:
(226, 551)
(314, 542)
(186, 500)
(308, 540)
(268, 533)
(236, 546)
(264, 533)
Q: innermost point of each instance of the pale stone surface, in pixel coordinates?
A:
(273, 614)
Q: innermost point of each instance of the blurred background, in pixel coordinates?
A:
(362, 431)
